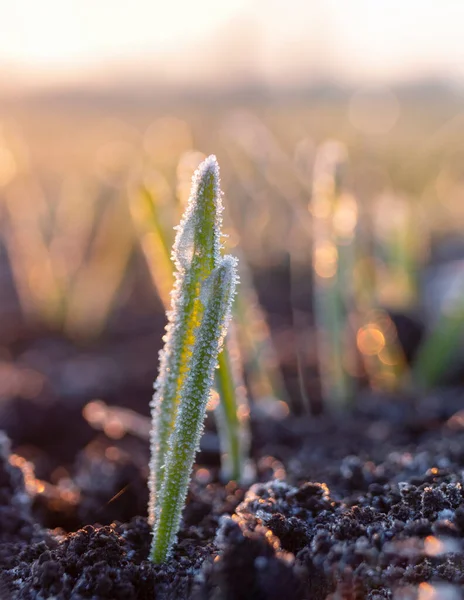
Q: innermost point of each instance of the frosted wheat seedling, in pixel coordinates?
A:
(199, 268)
(217, 294)
(195, 254)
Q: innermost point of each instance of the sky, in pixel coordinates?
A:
(50, 42)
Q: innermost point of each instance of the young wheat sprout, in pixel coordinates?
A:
(197, 323)
(195, 253)
(184, 443)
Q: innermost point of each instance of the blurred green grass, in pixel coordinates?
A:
(68, 161)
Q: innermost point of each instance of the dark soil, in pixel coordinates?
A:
(367, 506)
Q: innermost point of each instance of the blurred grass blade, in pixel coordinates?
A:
(331, 272)
(73, 228)
(383, 358)
(99, 279)
(259, 354)
(40, 293)
(396, 249)
(153, 240)
(232, 414)
(439, 349)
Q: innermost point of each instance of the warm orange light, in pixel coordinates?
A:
(325, 260)
(243, 412)
(370, 340)
(387, 357)
(39, 487)
(282, 408)
(94, 412)
(33, 486)
(457, 420)
(213, 401)
(114, 428)
(203, 476)
(433, 546)
(426, 592)
(346, 216)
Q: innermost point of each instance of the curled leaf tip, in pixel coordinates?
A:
(228, 269)
(207, 174)
(223, 277)
(199, 233)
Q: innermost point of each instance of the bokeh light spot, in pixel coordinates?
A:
(370, 340)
